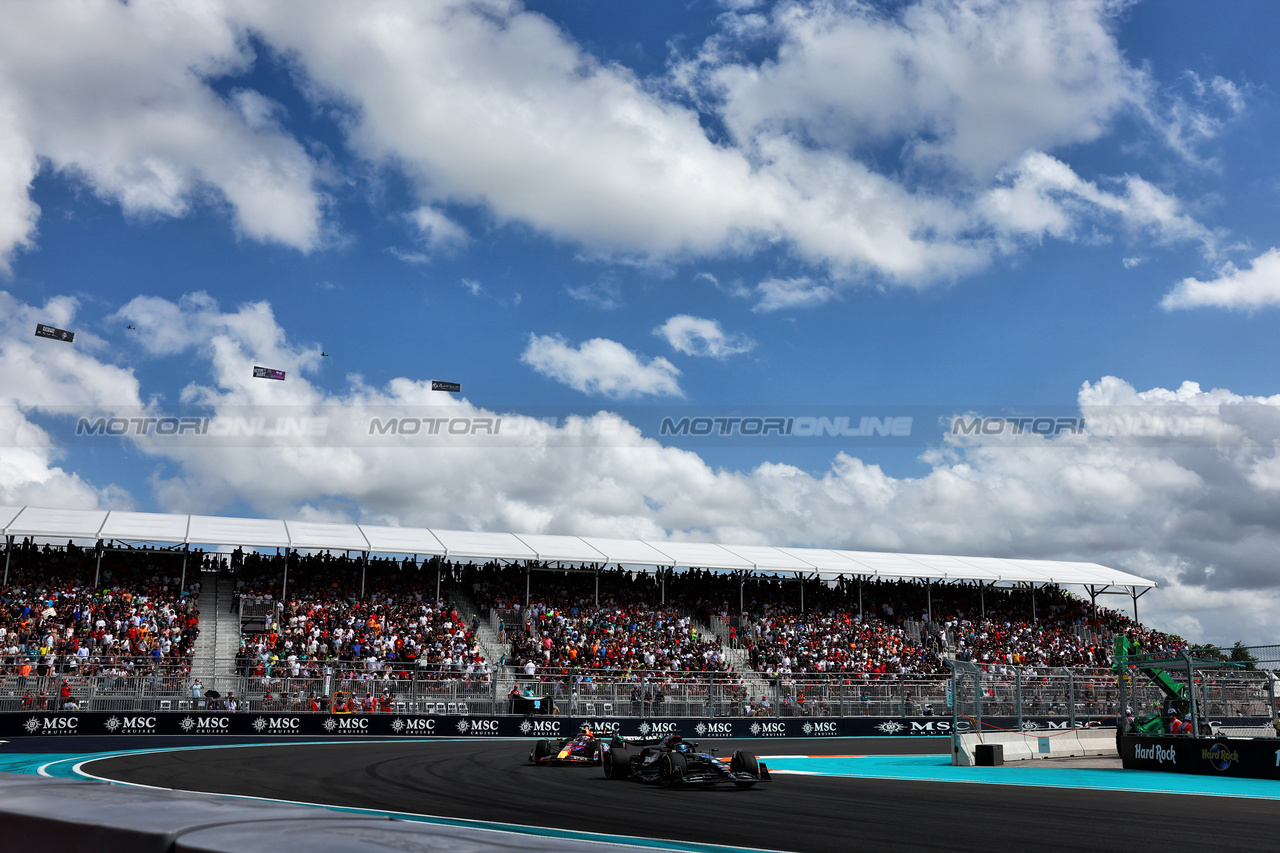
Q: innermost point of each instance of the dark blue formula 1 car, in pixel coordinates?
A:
(673, 762)
(586, 747)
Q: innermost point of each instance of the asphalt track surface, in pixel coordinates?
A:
(491, 781)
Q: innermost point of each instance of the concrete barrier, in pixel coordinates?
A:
(1029, 746)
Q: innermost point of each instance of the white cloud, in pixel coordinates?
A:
(1042, 196)
(1234, 288)
(801, 292)
(116, 95)
(970, 84)
(1185, 125)
(601, 366)
(603, 294)
(57, 380)
(487, 104)
(18, 166)
(234, 342)
(437, 230)
(484, 104)
(698, 336)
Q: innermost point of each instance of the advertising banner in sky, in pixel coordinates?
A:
(43, 331)
(267, 373)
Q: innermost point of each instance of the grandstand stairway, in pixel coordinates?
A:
(219, 640)
(486, 638)
(737, 659)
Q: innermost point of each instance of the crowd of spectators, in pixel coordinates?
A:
(378, 619)
(54, 620)
(904, 627)
(612, 622)
(396, 629)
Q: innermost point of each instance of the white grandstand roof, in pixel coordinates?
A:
(401, 540)
(57, 524)
(145, 526)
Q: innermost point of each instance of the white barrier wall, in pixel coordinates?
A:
(1028, 746)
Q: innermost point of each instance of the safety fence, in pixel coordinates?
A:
(1021, 692)
(406, 688)
(1007, 692)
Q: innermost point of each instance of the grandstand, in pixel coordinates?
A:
(400, 619)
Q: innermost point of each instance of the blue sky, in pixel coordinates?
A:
(622, 213)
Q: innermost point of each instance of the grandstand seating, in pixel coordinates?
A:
(379, 622)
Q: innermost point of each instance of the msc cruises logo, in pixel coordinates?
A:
(277, 725)
(205, 725)
(702, 729)
(131, 725)
(413, 726)
(891, 727)
(347, 725)
(479, 727)
(52, 725)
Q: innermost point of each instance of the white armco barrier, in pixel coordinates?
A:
(1026, 746)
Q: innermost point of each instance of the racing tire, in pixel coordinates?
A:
(744, 762)
(541, 750)
(617, 763)
(671, 770)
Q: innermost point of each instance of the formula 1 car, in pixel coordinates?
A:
(586, 747)
(674, 761)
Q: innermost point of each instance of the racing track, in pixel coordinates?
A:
(490, 781)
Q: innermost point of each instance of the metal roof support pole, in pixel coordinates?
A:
(182, 583)
(800, 578)
(664, 589)
(1071, 697)
(8, 552)
(1271, 697)
(527, 572)
(364, 567)
(97, 569)
(1191, 691)
(982, 598)
(1093, 599)
(928, 585)
(1032, 587)
(597, 587)
(284, 587)
(1017, 674)
(859, 596)
(440, 571)
(1133, 590)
